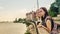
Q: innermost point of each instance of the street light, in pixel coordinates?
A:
(37, 4)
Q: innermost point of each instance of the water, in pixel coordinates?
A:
(12, 28)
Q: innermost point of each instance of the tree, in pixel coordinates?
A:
(53, 10)
(52, 13)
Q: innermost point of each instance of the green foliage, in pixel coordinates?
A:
(54, 8)
(27, 23)
(24, 21)
(20, 20)
(52, 13)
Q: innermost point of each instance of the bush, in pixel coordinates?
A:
(52, 13)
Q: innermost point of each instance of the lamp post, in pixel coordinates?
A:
(37, 4)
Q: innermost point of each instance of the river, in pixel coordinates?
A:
(12, 28)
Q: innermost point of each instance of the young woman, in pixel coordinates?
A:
(47, 21)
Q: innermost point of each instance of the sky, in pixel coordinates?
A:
(11, 9)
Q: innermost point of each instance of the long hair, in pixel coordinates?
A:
(46, 12)
(45, 15)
